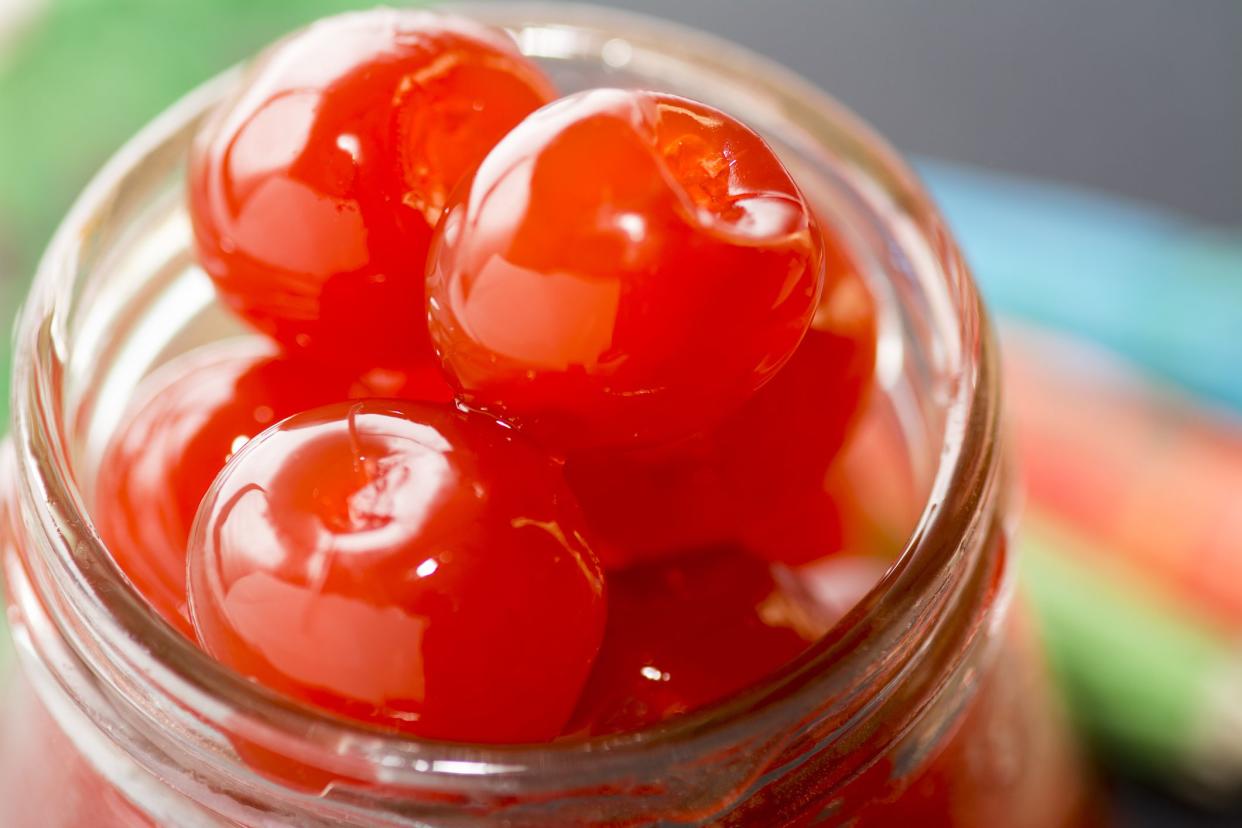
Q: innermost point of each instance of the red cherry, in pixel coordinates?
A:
(663, 261)
(646, 504)
(193, 415)
(757, 478)
(407, 565)
(313, 192)
(775, 453)
(685, 633)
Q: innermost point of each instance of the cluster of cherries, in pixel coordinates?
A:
(547, 398)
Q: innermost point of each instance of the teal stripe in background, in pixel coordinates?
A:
(1152, 286)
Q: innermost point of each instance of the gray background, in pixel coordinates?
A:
(1138, 97)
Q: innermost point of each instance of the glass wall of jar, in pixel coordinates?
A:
(925, 704)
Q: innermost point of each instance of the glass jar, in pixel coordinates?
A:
(926, 704)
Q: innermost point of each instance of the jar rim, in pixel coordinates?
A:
(968, 462)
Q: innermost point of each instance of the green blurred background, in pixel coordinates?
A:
(78, 77)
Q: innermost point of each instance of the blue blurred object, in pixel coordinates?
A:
(1149, 284)
(1158, 289)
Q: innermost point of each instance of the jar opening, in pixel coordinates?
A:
(124, 645)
